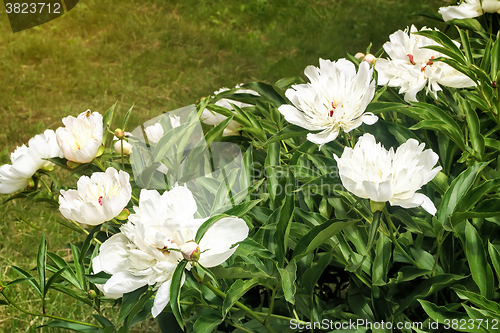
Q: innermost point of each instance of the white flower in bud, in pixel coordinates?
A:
(359, 55)
(369, 58)
(190, 251)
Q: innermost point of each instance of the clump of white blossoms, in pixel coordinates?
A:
(157, 237)
(412, 67)
(371, 172)
(334, 100)
(81, 137)
(470, 9)
(210, 118)
(26, 160)
(97, 199)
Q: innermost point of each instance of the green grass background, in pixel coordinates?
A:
(159, 55)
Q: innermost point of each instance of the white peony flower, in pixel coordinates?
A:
(97, 199)
(27, 160)
(335, 99)
(140, 254)
(81, 137)
(411, 67)
(469, 9)
(371, 172)
(210, 118)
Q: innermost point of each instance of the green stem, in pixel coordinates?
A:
(242, 306)
(394, 240)
(44, 183)
(271, 305)
(123, 163)
(215, 307)
(438, 253)
(45, 315)
(99, 165)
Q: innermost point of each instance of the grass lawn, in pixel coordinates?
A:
(159, 55)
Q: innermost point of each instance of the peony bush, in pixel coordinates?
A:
(363, 199)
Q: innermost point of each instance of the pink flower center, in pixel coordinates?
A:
(330, 113)
(100, 200)
(410, 56)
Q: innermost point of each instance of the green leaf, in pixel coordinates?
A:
(466, 45)
(79, 269)
(86, 244)
(40, 264)
(266, 91)
(102, 320)
(312, 274)
(106, 122)
(217, 131)
(495, 57)
(284, 222)
(476, 257)
(494, 251)
(127, 115)
(318, 236)
(29, 278)
(52, 279)
(139, 307)
(100, 278)
(236, 291)
(444, 315)
(272, 160)
(68, 274)
(128, 302)
(458, 188)
(381, 263)
(474, 195)
(249, 247)
(206, 225)
(427, 288)
(12, 283)
(478, 300)
(290, 131)
(288, 276)
(451, 49)
(476, 137)
(72, 326)
(469, 23)
(175, 291)
(239, 271)
(207, 323)
(285, 83)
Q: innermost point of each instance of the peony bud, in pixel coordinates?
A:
(190, 251)
(127, 147)
(119, 133)
(123, 215)
(359, 55)
(369, 58)
(92, 294)
(31, 184)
